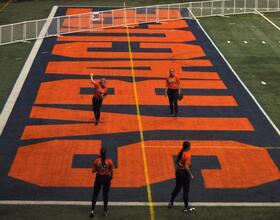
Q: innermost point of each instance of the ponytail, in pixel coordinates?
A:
(186, 146)
(179, 156)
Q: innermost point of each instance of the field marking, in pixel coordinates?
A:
(87, 203)
(212, 147)
(9, 105)
(5, 5)
(143, 150)
(267, 19)
(239, 79)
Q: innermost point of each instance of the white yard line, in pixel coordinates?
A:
(245, 87)
(9, 105)
(267, 19)
(88, 203)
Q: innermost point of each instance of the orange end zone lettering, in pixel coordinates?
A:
(69, 92)
(82, 50)
(49, 163)
(152, 68)
(117, 123)
(176, 36)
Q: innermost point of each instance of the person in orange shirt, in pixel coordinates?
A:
(183, 176)
(172, 91)
(103, 167)
(97, 99)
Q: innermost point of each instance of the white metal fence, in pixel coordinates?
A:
(30, 30)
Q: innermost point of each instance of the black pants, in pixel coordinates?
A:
(173, 95)
(182, 180)
(96, 106)
(105, 181)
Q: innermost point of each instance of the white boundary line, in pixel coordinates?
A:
(245, 87)
(9, 105)
(87, 203)
(267, 19)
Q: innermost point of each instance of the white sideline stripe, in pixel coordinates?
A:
(9, 105)
(267, 19)
(88, 203)
(245, 87)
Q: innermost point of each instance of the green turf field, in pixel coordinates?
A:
(127, 213)
(254, 62)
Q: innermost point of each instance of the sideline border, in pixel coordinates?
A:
(9, 105)
(266, 18)
(87, 203)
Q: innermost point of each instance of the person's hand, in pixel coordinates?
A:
(165, 93)
(192, 176)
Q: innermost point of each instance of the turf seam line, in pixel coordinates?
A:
(87, 203)
(239, 79)
(9, 105)
(267, 19)
(150, 200)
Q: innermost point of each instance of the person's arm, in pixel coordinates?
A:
(92, 80)
(189, 171)
(179, 85)
(165, 92)
(105, 93)
(187, 167)
(94, 168)
(111, 170)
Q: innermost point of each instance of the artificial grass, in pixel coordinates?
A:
(275, 18)
(12, 59)
(255, 61)
(62, 212)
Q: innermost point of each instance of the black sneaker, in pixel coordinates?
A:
(105, 213)
(96, 123)
(189, 209)
(170, 205)
(92, 214)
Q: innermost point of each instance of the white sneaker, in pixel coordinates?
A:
(189, 209)
(92, 214)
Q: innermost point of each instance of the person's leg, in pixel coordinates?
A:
(98, 108)
(106, 189)
(175, 101)
(170, 99)
(186, 189)
(94, 107)
(177, 188)
(96, 190)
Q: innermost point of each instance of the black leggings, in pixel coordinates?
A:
(182, 180)
(173, 95)
(96, 107)
(105, 181)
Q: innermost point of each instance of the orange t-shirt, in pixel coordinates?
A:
(185, 160)
(105, 169)
(173, 82)
(99, 91)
